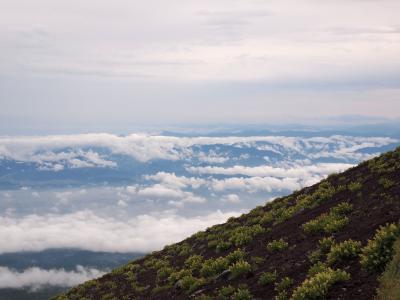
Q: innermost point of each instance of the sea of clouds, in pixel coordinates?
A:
(140, 192)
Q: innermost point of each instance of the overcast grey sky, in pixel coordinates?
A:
(106, 64)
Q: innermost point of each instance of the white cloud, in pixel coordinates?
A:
(299, 171)
(173, 181)
(36, 278)
(256, 184)
(212, 157)
(231, 198)
(86, 230)
(143, 147)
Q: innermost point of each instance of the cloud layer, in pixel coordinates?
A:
(87, 230)
(36, 278)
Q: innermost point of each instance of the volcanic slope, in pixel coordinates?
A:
(331, 240)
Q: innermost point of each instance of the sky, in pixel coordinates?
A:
(78, 66)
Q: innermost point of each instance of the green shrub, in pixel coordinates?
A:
(213, 267)
(354, 186)
(389, 287)
(222, 246)
(318, 285)
(244, 234)
(204, 297)
(235, 256)
(283, 285)
(267, 218)
(163, 273)
(342, 251)
(193, 262)
(342, 208)
(177, 275)
(379, 251)
(226, 291)
(239, 268)
(154, 263)
(190, 283)
(277, 245)
(386, 182)
(316, 268)
(330, 222)
(161, 288)
(267, 277)
(242, 294)
(323, 249)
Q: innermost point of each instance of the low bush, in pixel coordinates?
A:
(316, 268)
(177, 275)
(323, 249)
(190, 283)
(379, 250)
(193, 262)
(222, 246)
(244, 234)
(354, 186)
(389, 287)
(163, 273)
(386, 182)
(212, 267)
(226, 291)
(345, 250)
(330, 222)
(284, 284)
(242, 294)
(317, 286)
(277, 245)
(239, 268)
(235, 256)
(267, 277)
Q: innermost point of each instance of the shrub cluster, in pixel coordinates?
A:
(330, 222)
(242, 294)
(354, 186)
(212, 267)
(277, 245)
(379, 250)
(244, 234)
(267, 277)
(317, 286)
(342, 251)
(282, 288)
(193, 262)
(239, 268)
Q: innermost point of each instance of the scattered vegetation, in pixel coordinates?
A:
(379, 250)
(390, 280)
(317, 286)
(240, 268)
(267, 277)
(342, 251)
(331, 222)
(277, 245)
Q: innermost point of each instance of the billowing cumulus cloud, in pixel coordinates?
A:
(87, 230)
(36, 278)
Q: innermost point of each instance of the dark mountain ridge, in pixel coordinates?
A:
(331, 240)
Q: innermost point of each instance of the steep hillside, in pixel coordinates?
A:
(329, 240)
